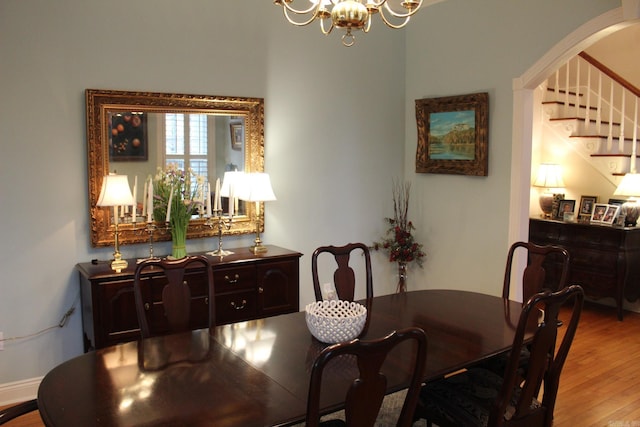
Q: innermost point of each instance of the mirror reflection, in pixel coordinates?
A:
(138, 133)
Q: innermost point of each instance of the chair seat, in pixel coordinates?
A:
(464, 399)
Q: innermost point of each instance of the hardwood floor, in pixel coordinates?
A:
(600, 384)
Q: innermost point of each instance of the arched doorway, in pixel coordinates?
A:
(523, 104)
(523, 108)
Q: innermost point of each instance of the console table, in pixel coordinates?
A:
(605, 260)
(247, 286)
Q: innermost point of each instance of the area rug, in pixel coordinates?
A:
(389, 412)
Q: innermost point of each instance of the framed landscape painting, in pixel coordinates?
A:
(453, 134)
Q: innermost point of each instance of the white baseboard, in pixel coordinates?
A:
(19, 391)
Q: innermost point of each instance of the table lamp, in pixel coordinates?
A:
(257, 189)
(630, 187)
(550, 178)
(116, 192)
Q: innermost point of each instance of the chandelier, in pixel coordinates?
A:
(350, 14)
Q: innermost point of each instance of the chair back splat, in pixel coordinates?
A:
(365, 394)
(534, 274)
(480, 397)
(344, 276)
(177, 279)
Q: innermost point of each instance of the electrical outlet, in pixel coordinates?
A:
(1, 340)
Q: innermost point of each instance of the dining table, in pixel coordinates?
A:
(256, 373)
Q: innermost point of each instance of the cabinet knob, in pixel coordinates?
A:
(146, 306)
(235, 279)
(238, 307)
(260, 289)
(206, 300)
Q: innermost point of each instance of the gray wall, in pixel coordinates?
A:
(339, 127)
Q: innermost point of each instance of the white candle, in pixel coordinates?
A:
(150, 201)
(169, 205)
(134, 207)
(208, 200)
(231, 196)
(216, 203)
(145, 191)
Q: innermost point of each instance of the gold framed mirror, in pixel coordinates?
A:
(234, 128)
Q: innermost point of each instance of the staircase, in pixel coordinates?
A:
(595, 111)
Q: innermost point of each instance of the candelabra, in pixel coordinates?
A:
(221, 223)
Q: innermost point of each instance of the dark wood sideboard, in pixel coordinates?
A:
(605, 260)
(247, 287)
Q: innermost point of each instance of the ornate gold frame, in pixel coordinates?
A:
(99, 102)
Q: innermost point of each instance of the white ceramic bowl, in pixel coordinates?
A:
(335, 321)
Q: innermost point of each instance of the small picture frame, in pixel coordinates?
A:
(237, 136)
(611, 214)
(566, 209)
(586, 206)
(599, 210)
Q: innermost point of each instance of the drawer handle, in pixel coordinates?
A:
(260, 289)
(146, 306)
(234, 280)
(239, 307)
(206, 300)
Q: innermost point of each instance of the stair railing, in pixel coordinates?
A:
(600, 92)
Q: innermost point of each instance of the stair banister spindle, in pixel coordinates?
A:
(587, 121)
(622, 117)
(610, 134)
(577, 96)
(599, 108)
(566, 91)
(557, 86)
(635, 135)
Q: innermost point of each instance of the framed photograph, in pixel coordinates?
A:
(128, 136)
(586, 205)
(599, 209)
(453, 134)
(566, 206)
(611, 214)
(237, 136)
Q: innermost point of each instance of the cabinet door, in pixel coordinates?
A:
(117, 320)
(278, 288)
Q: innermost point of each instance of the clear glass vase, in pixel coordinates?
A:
(402, 277)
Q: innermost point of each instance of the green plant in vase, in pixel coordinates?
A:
(177, 196)
(398, 242)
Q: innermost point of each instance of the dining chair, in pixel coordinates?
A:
(365, 394)
(176, 295)
(344, 277)
(532, 282)
(480, 397)
(18, 410)
(534, 273)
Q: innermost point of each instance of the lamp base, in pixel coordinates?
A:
(631, 211)
(119, 264)
(258, 248)
(546, 204)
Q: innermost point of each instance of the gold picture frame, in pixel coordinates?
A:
(453, 134)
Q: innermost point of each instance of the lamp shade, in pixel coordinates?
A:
(257, 188)
(115, 191)
(629, 186)
(549, 176)
(232, 180)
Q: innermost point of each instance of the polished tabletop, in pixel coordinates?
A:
(256, 373)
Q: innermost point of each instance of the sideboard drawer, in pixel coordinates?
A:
(233, 279)
(236, 306)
